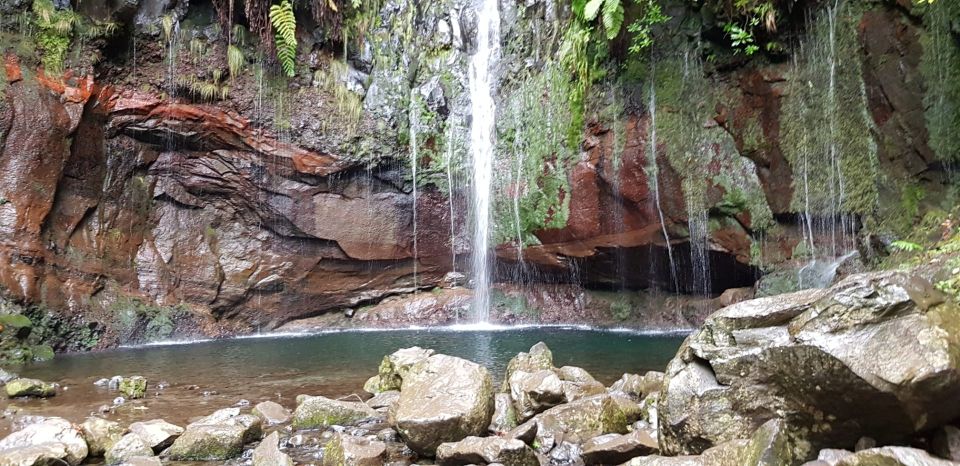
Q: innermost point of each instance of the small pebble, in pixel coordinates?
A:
(119, 400)
(243, 403)
(102, 382)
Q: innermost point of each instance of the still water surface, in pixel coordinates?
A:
(206, 376)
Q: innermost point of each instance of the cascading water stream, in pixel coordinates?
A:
(482, 132)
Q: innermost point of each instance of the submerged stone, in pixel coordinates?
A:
(133, 387)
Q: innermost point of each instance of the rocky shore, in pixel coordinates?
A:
(866, 372)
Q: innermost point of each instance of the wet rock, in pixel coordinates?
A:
(219, 436)
(444, 399)
(100, 434)
(268, 452)
(538, 358)
(504, 416)
(271, 412)
(568, 453)
(486, 450)
(142, 461)
(771, 445)
(869, 356)
(133, 387)
(632, 410)
(318, 411)
(30, 387)
(34, 455)
(892, 456)
(534, 393)
(384, 399)
(579, 421)
(388, 435)
(157, 433)
(130, 446)
(6, 376)
(50, 430)
(394, 367)
(346, 450)
(617, 448)
(526, 432)
(832, 456)
(946, 443)
(638, 386)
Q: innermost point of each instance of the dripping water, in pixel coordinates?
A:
(653, 173)
(414, 161)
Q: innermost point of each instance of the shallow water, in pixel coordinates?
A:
(329, 364)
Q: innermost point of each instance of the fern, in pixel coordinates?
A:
(285, 28)
(612, 18)
(235, 60)
(906, 246)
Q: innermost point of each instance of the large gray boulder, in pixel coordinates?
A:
(444, 399)
(100, 434)
(535, 392)
(219, 436)
(874, 355)
(538, 358)
(34, 455)
(486, 450)
(52, 430)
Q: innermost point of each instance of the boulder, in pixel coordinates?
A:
(271, 412)
(6, 376)
(893, 456)
(535, 392)
(771, 445)
(133, 387)
(578, 421)
(219, 436)
(130, 446)
(538, 358)
(394, 367)
(618, 448)
(872, 355)
(384, 399)
(832, 456)
(49, 430)
(100, 434)
(444, 399)
(318, 411)
(486, 450)
(638, 386)
(268, 452)
(30, 387)
(50, 453)
(157, 433)
(504, 416)
(347, 450)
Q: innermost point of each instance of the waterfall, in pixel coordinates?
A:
(414, 161)
(453, 231)
(482, 132)
(653, 173)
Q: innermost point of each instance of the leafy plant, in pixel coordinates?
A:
(906, 246)
(641, 28)
(741, 39)
(235, 60)
(285, 27)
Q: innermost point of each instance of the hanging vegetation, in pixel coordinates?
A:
(285, 27)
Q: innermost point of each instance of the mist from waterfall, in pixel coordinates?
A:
(482, 132)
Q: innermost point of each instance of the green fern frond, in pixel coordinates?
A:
(285, 28)
(198, 48)
(235, 60)
(612, 18)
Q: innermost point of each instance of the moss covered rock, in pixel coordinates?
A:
(486, 450)
(100, 434)
(30, 387)
(394, 367)
(318, 411)
(347, 450)
(129, 446)
(133, 387)
(582, 419)
(219, 436)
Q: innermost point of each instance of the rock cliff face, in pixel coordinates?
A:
(127, 198)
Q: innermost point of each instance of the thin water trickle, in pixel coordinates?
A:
(414, 161)
(652, 172)
(482, 133)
